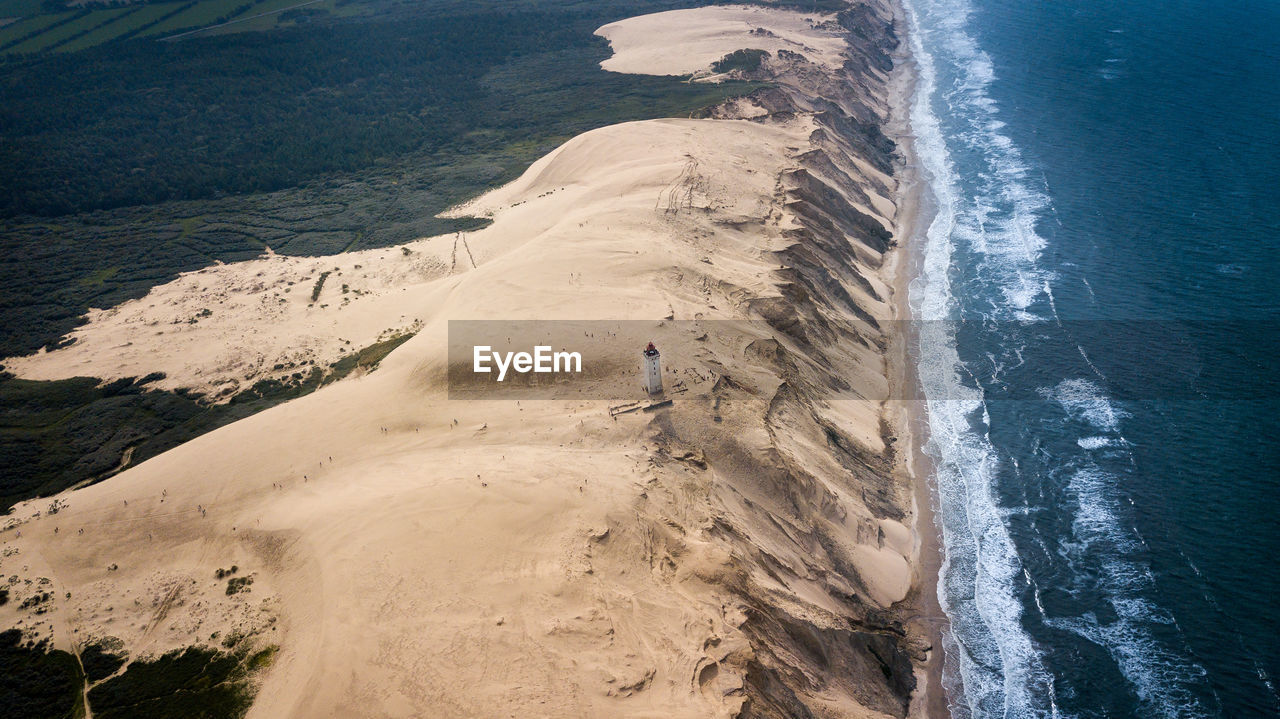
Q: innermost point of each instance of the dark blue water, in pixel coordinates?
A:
(1108, 184)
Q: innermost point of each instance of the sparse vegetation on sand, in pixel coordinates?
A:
(747, 60)
(39, 683)
(102, 659)
(315, 291)
(192, 682)
(56, 434)
(236, 585)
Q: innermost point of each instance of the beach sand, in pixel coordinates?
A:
(915, 212)
(414, 554)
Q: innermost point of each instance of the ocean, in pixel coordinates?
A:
(1098, 315)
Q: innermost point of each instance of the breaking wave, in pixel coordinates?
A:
(981, 259)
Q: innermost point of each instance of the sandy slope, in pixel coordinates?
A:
(685, 42)
(416, 556)
(220, 329)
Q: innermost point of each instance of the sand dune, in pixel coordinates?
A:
(687, 42)
(567, 232)
(419, 556)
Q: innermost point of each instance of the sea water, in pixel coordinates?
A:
(1098, 313)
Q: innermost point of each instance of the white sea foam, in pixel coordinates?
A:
(985, 234)
(992, 668)
(1160, 676)
(1085, 400)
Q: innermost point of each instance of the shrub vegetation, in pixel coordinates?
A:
(744, 60)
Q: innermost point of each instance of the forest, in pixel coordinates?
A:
(144, 122)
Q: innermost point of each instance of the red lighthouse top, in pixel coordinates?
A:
(650, 351)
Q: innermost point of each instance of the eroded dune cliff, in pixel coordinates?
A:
(742, 553)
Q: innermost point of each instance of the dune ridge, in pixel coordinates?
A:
(411, 554)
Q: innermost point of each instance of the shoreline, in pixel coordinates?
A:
(909, 415)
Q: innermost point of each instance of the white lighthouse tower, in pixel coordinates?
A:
(651, 369)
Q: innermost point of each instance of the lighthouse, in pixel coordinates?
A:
(651, 369)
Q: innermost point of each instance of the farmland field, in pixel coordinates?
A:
(38, 30)
(89, 24)
(267, 22)
(141, 16)
(20, 27)
(11, 35)
(202, 13)
(58, 32)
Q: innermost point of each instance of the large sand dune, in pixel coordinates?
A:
(419, 556)
(688, 42)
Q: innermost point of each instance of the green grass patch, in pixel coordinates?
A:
(366, 359)
(170, 9)
(189, 225)
(183, 684)
(345, 8)
(136, 17)
(101, 276)
(15, 30)
(20, 34)
(263, 659)
(245, 23)
(315, 291)
(248, 22)
(205, 12)
(79, 22)
(274, 5)
(99, 19)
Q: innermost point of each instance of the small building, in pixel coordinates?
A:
(651, 369)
